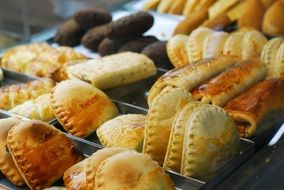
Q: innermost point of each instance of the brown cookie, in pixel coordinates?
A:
(69, 34)
(90, 17)
(94, 37)
(132, 25)
(158, 53)
(108, 46)
(138, 44)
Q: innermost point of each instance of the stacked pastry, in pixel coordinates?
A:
(205, 43)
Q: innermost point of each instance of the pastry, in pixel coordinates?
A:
(273, 19)
(189, 7)
(80, 107)
(108, 46)
(190, 76)
(123, 131)
(164, 6)
(129, 26)
(114, 70)
(279, 62)
(252, 44)
(151, 5)
(219, 22)
(220, 7)
(233, 45)
(18, 93)
(137, 44)
(69, 33)
(236, 12)
(35, 145)
(176, 50)
(268, 55)
(88, 18)
(7, 166)
(213, 44)
(94, 37)
(177, 7)
(55, 188)
(204, 4)
(231, 82)
(256, 106)
(267, 3)
(39, 108)
(252, 15)
(159, 120)
(195, 42)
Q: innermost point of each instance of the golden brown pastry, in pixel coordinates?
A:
(231, 82)
(236, 11)
(123, 131)
(252, 44)
(18, 93)
(177, 7)
(151, 5)
(233, 45)
(34, 145)
(189, 7)
(165, 6)
(220, 7)
(267, 3)
(273, 19)
(80, 107)
(279, 62)
(217, 23)
(257, 105)
(7, 165)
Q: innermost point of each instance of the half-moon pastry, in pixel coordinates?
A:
(218, 23)
(231, 82)
(234, 44)
(7, 166)
(34, 145)
(151, 5)
(252, 44)
(80, 107)
(256, 105)
(279, 62)
(177, 6)
(220, 7)
(190, 76)
(176, 50)
(159, 120)
(236, 12)
(123, 131)
(189, 7)
(164, 6)
(133, 171)
(114, 70)
(210, 140)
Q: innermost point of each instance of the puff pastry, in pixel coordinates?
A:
(34, 145)
(159, 120)
(7, 165)
(39, 108)
(123, 131)
(231, 82)
(176, 50)
(18, 93)
(114, 70)
(261, 102)
(190, 76)
(80, 107)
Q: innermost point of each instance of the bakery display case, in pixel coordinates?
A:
(185, 93)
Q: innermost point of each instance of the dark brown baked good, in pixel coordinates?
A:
(137, 44)
(69, 34)
(108, 46)
(94, 37)
(129, 26)
(90, 17)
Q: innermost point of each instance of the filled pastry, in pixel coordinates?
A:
(279, 62)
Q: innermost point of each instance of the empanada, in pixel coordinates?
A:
(151, 5)
(123, 131)
(160, 118)
(252, 44)
(164, 6)
(220, 7)
(34, 145)
(231, 82)
(176, 50)
(234, 44)
(190, 76)
(80, 107)
(279, 62)
(114, 70)
(177, 7)
(253, 107)
(7, 165)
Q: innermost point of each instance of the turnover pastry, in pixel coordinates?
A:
(164, 6)
(177, 6)
(279, 62)
(80, 107)
(7, 166)
(151, 5)
(252, 44)
(231, 82)
(220, 7)
(114, 70)
(233, 45)
(257, 105)
(123, 131)
(34, 145)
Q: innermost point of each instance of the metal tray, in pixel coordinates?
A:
(13, 77)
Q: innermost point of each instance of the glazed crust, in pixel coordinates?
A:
(249, 109)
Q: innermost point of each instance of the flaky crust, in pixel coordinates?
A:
(260, 102)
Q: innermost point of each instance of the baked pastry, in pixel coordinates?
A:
(190, 76)
(18, 93)
(236, 11)
(220, 7)
(195, 42)
(31, 140)
(7, 166)
(123, 131)
(268, 55)
(193, 6)
(108, 46)
(231, 82)
(267, 3)
(114, 70)
(39, 108)
(69, 33)
(219, 22)
(176, 50)
(55, 188)
(137, 44)
(177, 7)
(257, 105)
(273, 19)
(164, 6)
(93, 37)
(252, 44)
(279, 62)
(159, 120)
(129, 26)
(252, 15)
(80, 107)
(88, 18)
(233, 45)
(151, 5)
(213, 44)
